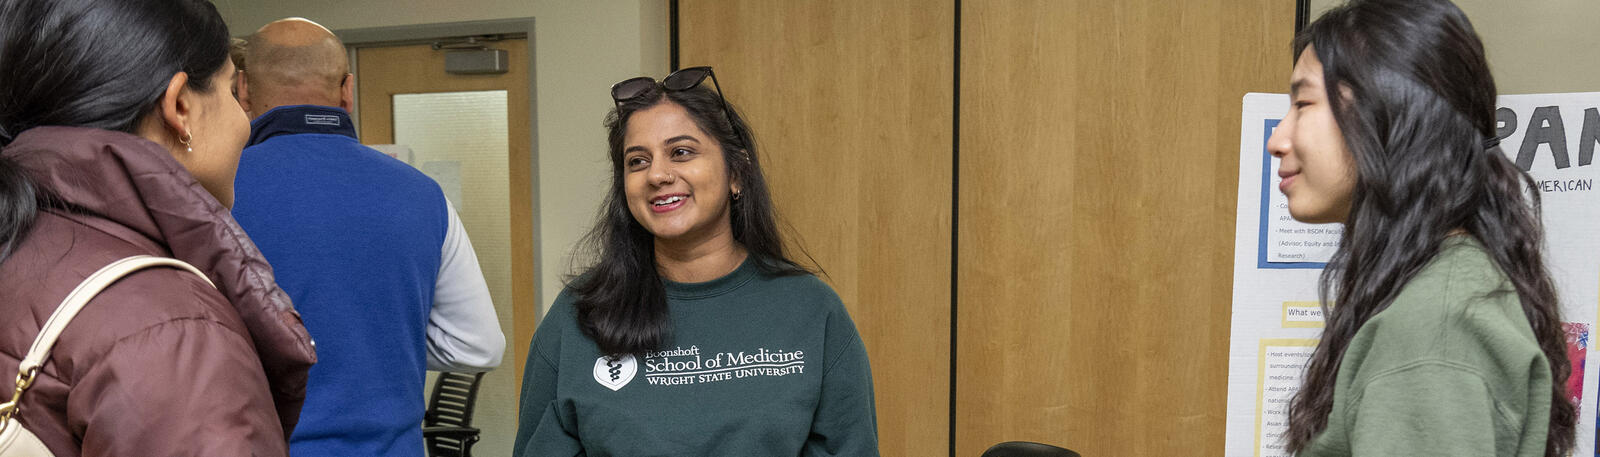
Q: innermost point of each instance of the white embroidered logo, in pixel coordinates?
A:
(322, 119)
(615, 373)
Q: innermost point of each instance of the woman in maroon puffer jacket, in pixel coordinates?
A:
(120, 138)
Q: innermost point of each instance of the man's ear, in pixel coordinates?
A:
(347, 92)
(241, 90)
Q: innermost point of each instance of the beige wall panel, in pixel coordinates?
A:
(1534, 47)
(1098, 175)
(851, 103)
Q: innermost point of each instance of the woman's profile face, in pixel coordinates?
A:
(674, 175)
(219, 129)
(1318, 173)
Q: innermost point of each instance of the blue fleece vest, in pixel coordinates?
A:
(354, 237)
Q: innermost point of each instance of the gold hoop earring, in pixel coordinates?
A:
(736, 195)
(186, 139)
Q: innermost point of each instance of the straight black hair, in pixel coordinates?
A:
(621, 301)
(92, 63)
(1411, 92)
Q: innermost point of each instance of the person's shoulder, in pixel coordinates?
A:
(389, 163)
(164, 293)
(1460, 308)
(332, 147)
(564, 303)
(802, 288)
(63, 250)
(142, 306)
(561, 317)
(1460, 278)
(402, 177)
(798, 281)
(1463, 264)
(298, 145)
(558, 324)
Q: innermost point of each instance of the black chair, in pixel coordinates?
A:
(1027, 449)
(447, 426)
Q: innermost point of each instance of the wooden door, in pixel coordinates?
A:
(491, 186)
(1099, 167)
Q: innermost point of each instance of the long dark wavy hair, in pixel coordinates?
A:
(92, 63)
(1412, 94)
(621, 302)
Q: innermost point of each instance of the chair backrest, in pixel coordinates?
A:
(452, 401)
(1027, 449)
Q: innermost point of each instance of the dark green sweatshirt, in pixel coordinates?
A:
(1450, 368)
(758, 365)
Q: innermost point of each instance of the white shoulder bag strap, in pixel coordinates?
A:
(16, 441)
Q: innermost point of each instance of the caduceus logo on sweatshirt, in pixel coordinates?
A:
(615, 372)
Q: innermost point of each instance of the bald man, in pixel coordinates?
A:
(301, 63)
(370, 250)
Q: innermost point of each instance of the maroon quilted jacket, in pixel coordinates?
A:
(160, 363)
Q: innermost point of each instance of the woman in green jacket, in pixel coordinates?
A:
(693, 333)
(1444, 333)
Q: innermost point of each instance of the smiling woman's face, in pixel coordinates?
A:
(674, 175)
(1318, 173)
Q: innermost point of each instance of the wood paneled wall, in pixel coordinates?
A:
(851, 104)
(1099, 167)
(1097, 175)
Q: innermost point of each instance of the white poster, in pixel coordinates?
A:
(1277, 260)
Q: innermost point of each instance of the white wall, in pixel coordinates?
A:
(1534, 46)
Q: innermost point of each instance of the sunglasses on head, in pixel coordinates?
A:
(678, 81)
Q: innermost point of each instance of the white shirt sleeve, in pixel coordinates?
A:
(463, 331)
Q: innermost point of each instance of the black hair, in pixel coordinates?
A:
(93, 63)
(1411, 92)
(621, 301)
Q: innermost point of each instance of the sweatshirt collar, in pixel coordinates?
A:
(696, 290)
(297, 119)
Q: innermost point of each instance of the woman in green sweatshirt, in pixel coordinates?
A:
(1443, 335)
(693, 334)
